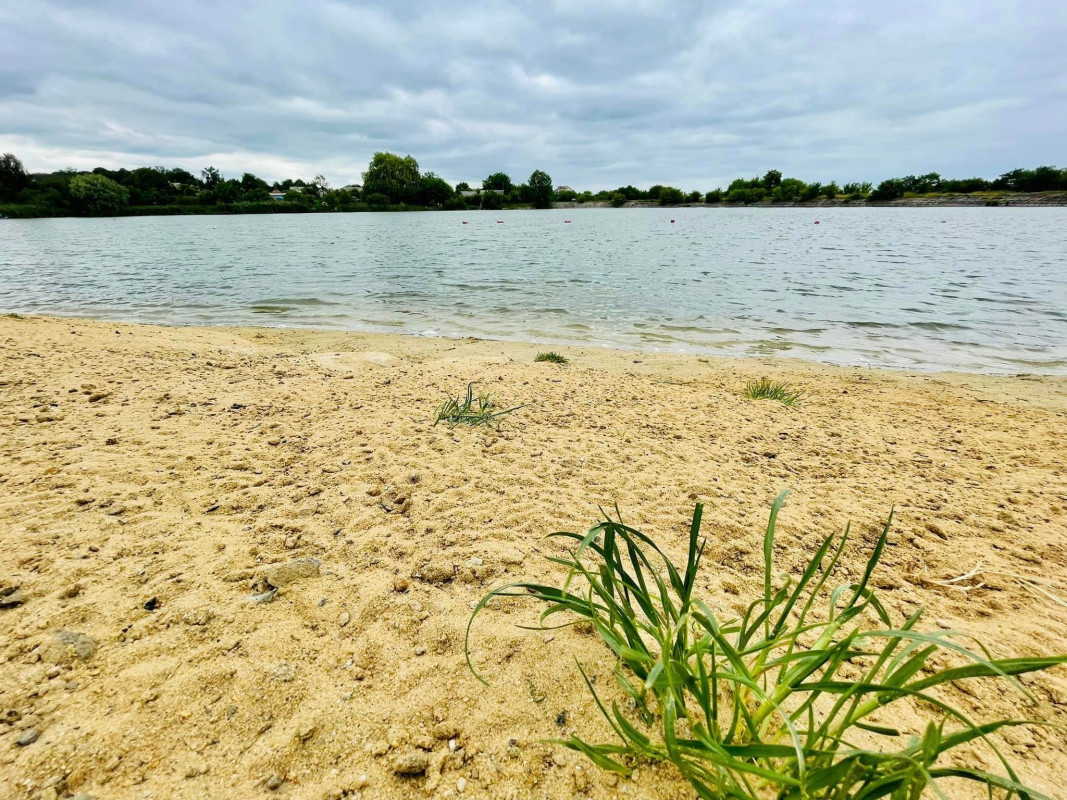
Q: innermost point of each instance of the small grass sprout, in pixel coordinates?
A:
(766, 389)
(797, 698)
(553, 357)
(474, 411)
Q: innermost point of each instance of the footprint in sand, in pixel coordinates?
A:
(352, 361)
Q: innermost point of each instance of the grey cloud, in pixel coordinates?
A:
(597, 93)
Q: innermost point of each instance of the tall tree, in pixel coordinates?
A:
(433, 190)
(498, 180)
(184, 177)
(250, 182)
(95, 194)
(211, 176)
(13, 177)
(393, 176)
(540, 184)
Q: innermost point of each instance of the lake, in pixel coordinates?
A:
(974, 289)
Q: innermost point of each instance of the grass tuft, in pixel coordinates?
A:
(552, 356)
(793, 699)
(474, 411)
(766, 389)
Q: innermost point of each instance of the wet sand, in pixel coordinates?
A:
(152, 479)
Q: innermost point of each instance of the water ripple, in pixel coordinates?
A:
(984, 291)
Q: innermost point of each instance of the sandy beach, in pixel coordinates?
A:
(154, 480)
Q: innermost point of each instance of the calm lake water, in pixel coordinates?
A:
(977, 289)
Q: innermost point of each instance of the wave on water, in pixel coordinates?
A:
(939, 326)
(283, 305)
(869, 324)
(263, 308)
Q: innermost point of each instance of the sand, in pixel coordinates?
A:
(153, 480)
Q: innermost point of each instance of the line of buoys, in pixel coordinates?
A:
(816, 222)
(464, 222)
(500, 222)
(566, 222)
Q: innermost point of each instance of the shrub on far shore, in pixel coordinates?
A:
(491, 201)
(670, 196)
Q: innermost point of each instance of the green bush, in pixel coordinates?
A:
(96, 195)
(473, 411)
(795, 698)
(553, 357)
(891, 189)
(766, 389)
(492, 201)
(670, 196)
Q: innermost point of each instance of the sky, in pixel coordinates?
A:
(596, 93)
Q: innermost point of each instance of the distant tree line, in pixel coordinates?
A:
(773, 188)
(392, 182)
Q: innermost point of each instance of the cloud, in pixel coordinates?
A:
(596, 93)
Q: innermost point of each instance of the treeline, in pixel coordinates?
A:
(772, 187)
(392, 182)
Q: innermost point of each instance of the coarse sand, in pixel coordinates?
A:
(245, 559)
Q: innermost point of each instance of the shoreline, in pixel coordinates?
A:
(1056, 199)
(151, 475)
(977, 200)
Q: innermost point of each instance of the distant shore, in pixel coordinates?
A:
(977, 199)
(1009, 199)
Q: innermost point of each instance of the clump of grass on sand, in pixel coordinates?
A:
(792, 700)
(474, 411)
(553, 357)
(766, 389)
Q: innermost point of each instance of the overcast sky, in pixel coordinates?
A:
(597, 93)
